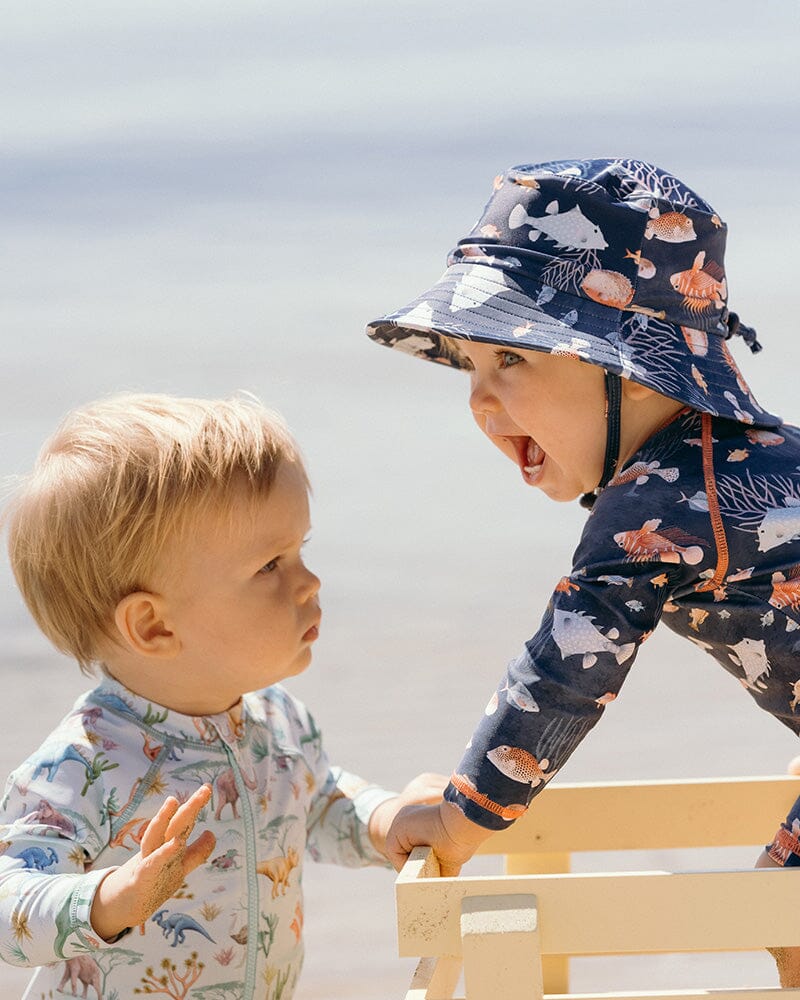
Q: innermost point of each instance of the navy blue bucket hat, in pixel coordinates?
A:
(614, 262)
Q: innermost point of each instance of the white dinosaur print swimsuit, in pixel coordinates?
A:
(80, 804)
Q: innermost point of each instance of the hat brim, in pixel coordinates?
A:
(490, 304)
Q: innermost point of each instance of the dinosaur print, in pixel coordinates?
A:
(278, 870)
(177, 925)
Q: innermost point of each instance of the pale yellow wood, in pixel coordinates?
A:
(649, 816)
(751, 993)
(617, 913)
(555, 968)
(501, 947)
(435, 979)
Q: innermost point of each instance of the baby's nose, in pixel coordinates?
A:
(481, 400)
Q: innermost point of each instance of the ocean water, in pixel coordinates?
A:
(201, 198)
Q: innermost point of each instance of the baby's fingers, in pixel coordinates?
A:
(180, 826)
(199, 851)
(156, 832)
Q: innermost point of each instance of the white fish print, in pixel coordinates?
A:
(566, 229)
(420, 315)
(616, 580)
(767, 619)
(634, 605)
(780, 525)
(545, 295)
(570, 318)
(520, 697)
(698, 501)
(575, 635)
(477, 286)
(751, 656)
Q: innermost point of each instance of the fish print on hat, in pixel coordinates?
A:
(671, 227)
(702, 285)
(566, 229)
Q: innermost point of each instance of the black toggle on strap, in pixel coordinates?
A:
(613, 409)
(747, 333)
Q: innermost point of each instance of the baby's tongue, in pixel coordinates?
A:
(534, 456)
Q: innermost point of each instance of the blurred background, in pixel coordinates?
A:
(202, 197)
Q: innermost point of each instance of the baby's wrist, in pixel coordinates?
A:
(107, 917)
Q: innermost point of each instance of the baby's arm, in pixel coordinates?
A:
(443, 827)
(424, 790)
(128, 895)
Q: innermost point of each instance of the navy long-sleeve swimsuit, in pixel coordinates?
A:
(701, 529)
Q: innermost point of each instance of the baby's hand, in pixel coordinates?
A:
(132, 893)
(424, 789)
(443, 827)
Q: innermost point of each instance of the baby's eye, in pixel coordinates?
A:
(269, 567)
(508, 359)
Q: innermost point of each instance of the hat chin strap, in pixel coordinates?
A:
(613, 420)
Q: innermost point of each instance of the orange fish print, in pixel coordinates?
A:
(609, 288)
(717, 221)
(462, 783)
(645, 268)
(696, 618)
(702, 286)
(605, 699)
(786, 589)
(767, 439)
(671, 227)
(575, 349)
(498, 182)
(697, 375)
(526, 182)
(519, 765)
(696, 340)
(737, 455)
(565, 585)
(671, 545)
(661, 581)
(490, 231)
(731, 363)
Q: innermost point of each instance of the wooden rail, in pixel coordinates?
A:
(513, 932)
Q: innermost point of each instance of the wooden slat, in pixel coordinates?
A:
(616, 913)
(650, 816)
(751, 993)
(500, 937)
(435, 979)
(555, 968)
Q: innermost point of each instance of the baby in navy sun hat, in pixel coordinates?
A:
(589, 305)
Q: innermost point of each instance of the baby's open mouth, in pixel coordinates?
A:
(530, 457)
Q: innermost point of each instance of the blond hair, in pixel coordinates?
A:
(119, 479)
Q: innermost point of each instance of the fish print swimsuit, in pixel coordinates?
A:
(80, 804)
(701, 529)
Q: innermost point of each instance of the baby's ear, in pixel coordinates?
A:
(143, 627)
